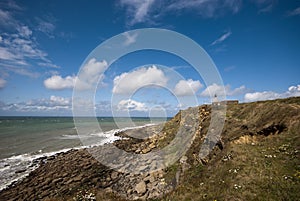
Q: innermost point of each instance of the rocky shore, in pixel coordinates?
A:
(263, 129)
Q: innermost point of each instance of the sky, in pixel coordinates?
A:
(254, 45)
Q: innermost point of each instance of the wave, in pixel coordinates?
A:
(17, 167)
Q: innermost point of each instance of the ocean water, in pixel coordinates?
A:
(24, 139)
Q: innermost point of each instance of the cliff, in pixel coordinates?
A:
(255, 158)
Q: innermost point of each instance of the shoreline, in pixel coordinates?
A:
(22, 165)
(68, 170)
(262, 133)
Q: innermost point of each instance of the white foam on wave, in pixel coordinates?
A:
(17, 167)
(24, 163)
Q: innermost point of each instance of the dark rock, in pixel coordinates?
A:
(20, 171)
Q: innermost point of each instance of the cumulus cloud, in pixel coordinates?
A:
(90, 74)
(56, 82)
(222, 38)
(187, 87)
(2, 83)
(132, 105)
(220, 90)
(270, 95)
(128, 83)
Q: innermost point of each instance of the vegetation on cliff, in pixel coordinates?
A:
(256, 158)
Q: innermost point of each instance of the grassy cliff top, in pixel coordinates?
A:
(256, 157)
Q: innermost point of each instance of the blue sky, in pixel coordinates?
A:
(254, 44)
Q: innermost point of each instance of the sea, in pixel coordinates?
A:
(24, 140)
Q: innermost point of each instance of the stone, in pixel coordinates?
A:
(47, 181)
(160, 175)
(141, 187)
(146, 150)
(143, 167)
(154, 194)
(78, 178)
(57, 180)
(108, 190)
(149, 178)
(114, 175)
(129, 191)
(183, 159)
(152, 146)
(69, 181)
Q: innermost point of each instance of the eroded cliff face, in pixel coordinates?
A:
(255, 157)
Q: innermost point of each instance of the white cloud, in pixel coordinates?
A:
(266, 9)
(22, 71)
(222, 38)
(137, 9)
(57, 100)
(270, 95)
(2, 83)
(56, 82)
(6, 19)
(229, 68)
(132, 105)
(90, 74)
(51, 65)
(18, 45)
(46, 27)
(24, 31)
(130, 39)
(5, 54)
(294, 12)
(214, 89)
(187, 87)
(128, 83)
(206, 8)
(264, 6)
(219, 90)
(237, 91)
(294, 90)
(54, 104)
(257, 96)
